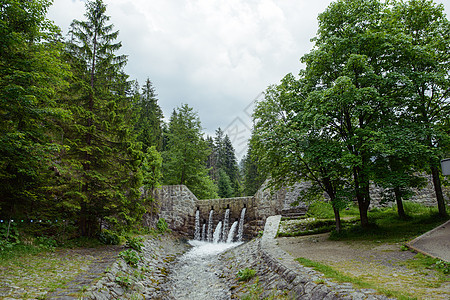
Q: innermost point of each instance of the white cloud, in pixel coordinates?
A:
(214, 55)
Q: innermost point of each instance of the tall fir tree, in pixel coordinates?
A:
(149, 124)
(104, 157)
(185, 158)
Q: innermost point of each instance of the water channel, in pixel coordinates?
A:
(193, 275)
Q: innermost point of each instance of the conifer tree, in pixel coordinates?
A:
(184, 161)
(104, 157)
(149, 124)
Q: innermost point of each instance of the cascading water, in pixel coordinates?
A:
(210, 226)
(222, 233)
(241, 225)
(197, 235)
(231, 232)
(226, 221)
(204, 232)
(217, 233)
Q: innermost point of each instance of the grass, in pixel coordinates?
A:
(384, 223)
(329, 272)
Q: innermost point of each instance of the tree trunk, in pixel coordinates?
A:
(438, 191)
(337, 218)
(361, 197)
(398, 199)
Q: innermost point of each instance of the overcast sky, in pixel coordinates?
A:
(217, 56)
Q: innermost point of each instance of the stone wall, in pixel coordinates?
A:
(177, 205)
(235, 205)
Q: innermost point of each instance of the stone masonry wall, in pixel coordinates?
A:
(177, 205)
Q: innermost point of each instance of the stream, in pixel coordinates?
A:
(193, 276)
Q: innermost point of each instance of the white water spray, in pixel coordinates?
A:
(226, 221)
(197, 226)
(217, 233)
(231, 232)
(241, 225)
(204, 232)
(210, 226)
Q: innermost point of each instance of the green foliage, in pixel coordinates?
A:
(135, 243)
(253, 177)
(150, 118)
(131, 257)
(245, 274)
(162, 226)
(385, 225)
(421, 262)
(324, 210)
(186, 154)
(225, 190)
(108, 237)
(31, 74)
(124, 281)
(46, 243)
(102, 162)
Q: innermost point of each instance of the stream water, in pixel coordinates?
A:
(194, 276)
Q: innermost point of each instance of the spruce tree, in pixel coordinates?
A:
(185, 158)
(149, 124)
(103, 157)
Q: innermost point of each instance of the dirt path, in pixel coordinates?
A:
(382, 264)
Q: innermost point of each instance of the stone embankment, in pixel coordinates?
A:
(278, 275)
(304, 282)
(143, 281)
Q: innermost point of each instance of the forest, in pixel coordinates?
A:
(79, 139)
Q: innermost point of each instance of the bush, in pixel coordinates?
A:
(109, 238)
(162, 225)
(46, 243)
(246, 274)
(135, 243)
(130, 257)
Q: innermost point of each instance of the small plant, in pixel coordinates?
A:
(130, 257)
(246, 274)
(442, 266)
(108, 237)
(124, 281)
(162, 225)
(135, 243)
(46, 243)
(404, 248)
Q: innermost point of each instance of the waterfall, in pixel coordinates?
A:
(210, 226)
(241, 225)
(197, 225)
(217, 233)
(231, 232)
(204, 232)
(226, 221)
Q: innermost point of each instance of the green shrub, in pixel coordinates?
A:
(162, 225)
(246, 274)
(108, 237)
(135, 243)
(46, 243)
(131, 257)
(124, 281)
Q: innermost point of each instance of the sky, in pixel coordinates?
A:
(216, 56)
